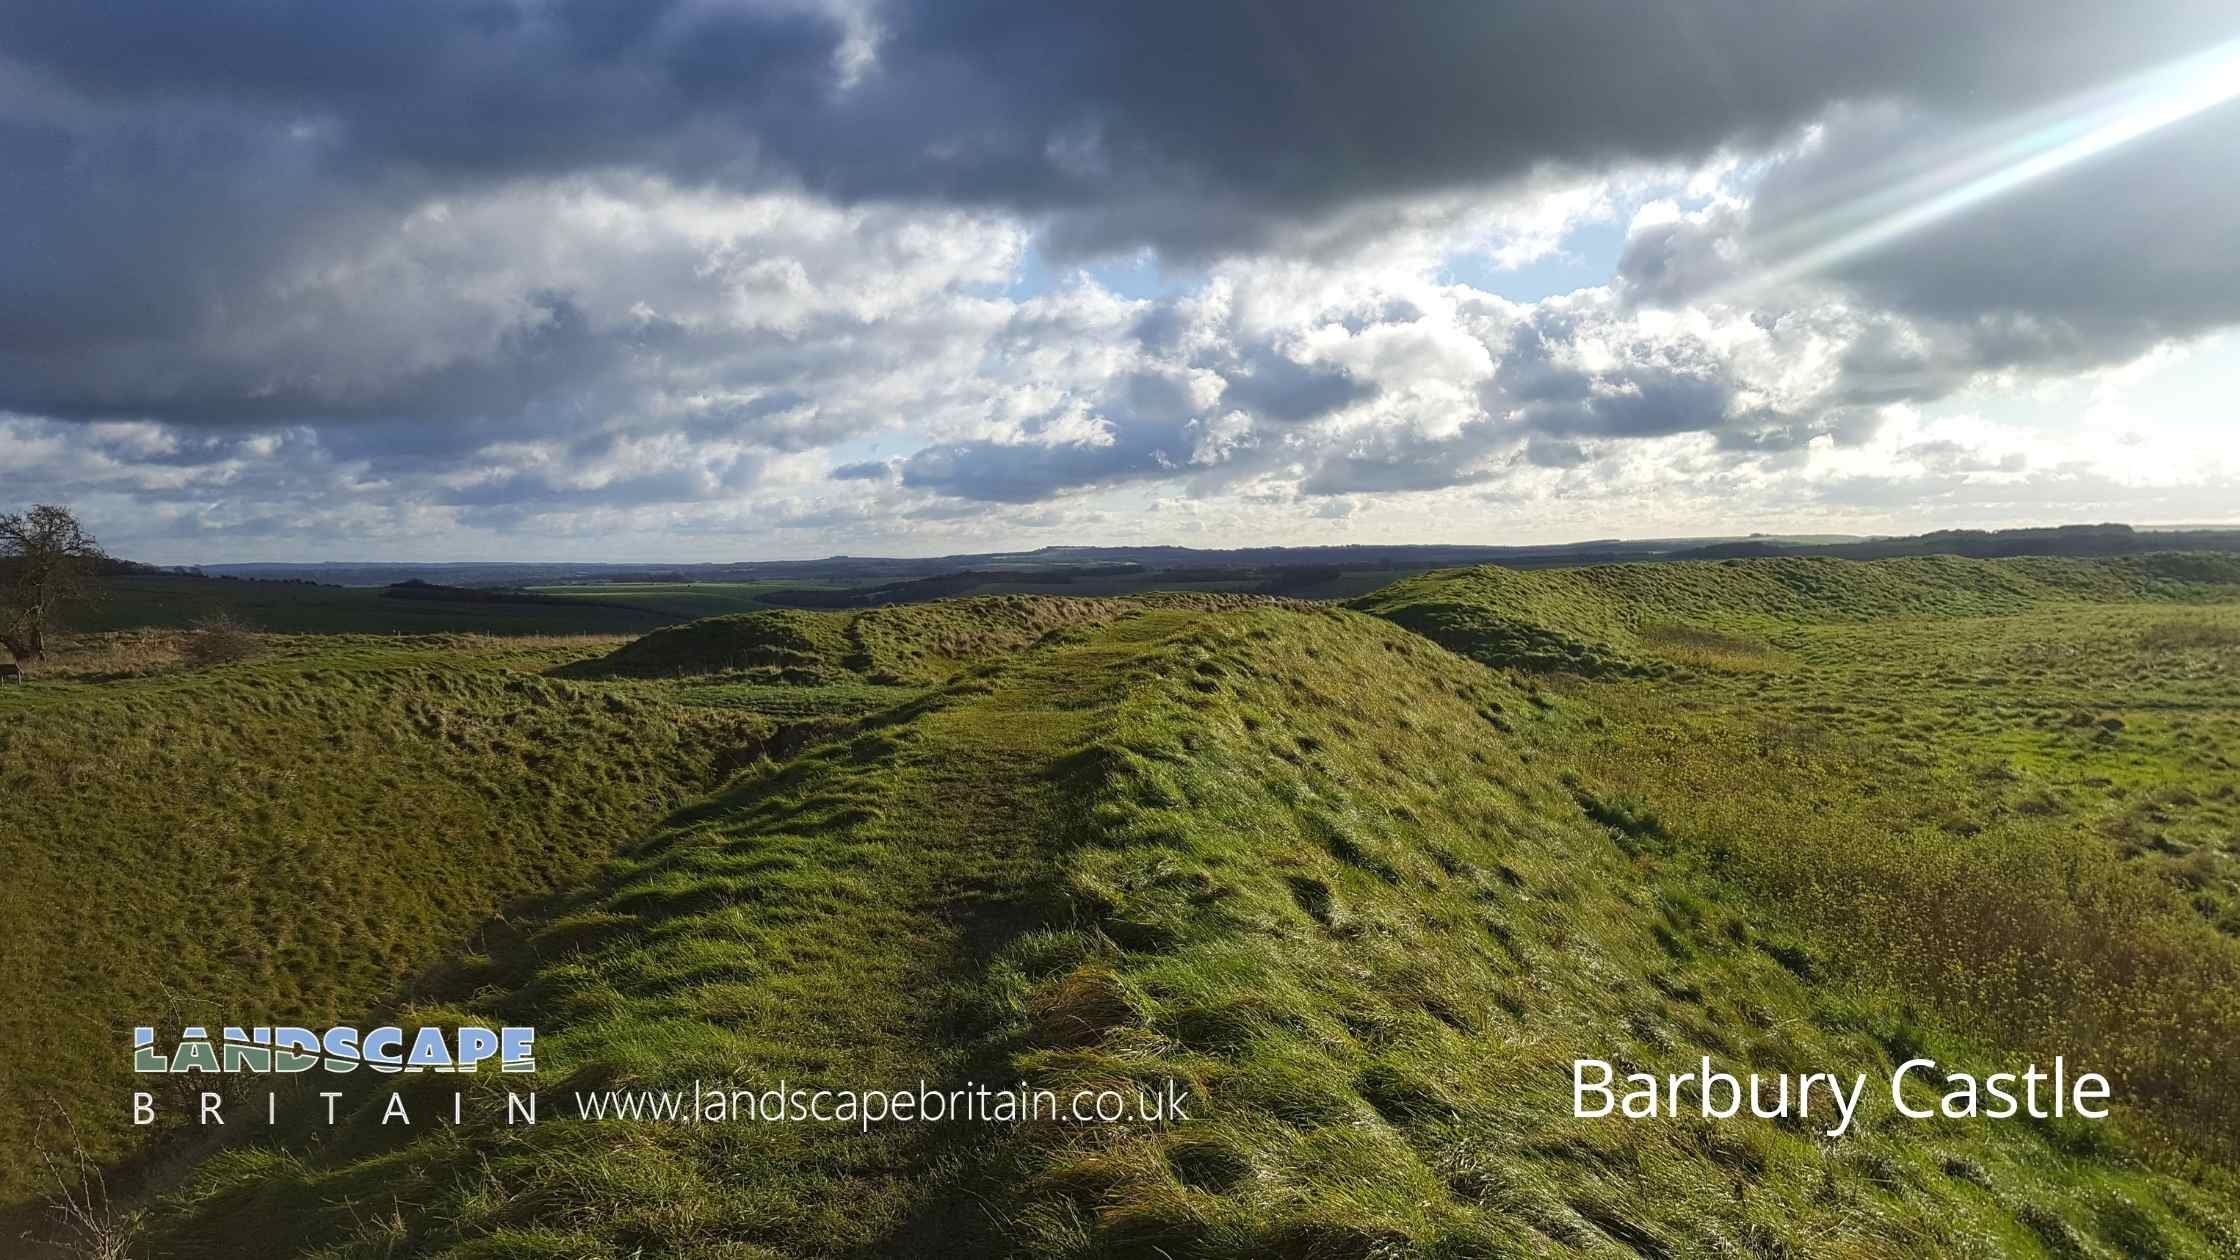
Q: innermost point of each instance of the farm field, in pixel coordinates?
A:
(677, 601)
(168, 602)
(1361, 881)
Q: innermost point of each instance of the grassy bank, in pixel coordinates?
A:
(2026, 819)
(1333, 880)
(917, 643)
(290, 838)
(1360, 899)
(1626, 617)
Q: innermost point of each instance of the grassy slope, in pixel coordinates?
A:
(292, 837)
(1611, 618)
(2121, 723)
(826, 920)
(900, 644)
(1324, 872)
(2027, 818)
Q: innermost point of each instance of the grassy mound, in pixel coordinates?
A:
(289, 839)
(808, 646)
(1323, 875)
(1374, 932)
(1625, 618)
(915, 643)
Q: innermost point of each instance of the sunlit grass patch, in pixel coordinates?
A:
(2179, 634)
(1701, 648)
(1362, 902)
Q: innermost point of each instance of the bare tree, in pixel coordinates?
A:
(47, 559)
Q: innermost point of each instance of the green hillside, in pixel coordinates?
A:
(897, 644)
(1612, 617)
(1325, 875)
(2081, 705)
(1361, 902)
(291, 838)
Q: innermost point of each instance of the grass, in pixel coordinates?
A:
(151, 602)
(2188, 633)
(1590, 621)
(824, 919)
(2027, 819)
(1375, 942)
(172, 602)
(682, 601)
(899, 644)
(1362, 898)
(290, 838)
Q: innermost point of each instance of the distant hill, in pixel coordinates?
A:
(529, 598)
(2060, 540)
(1058, 564)
(414, 588)
(943, 586)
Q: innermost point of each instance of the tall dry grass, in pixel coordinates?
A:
(2030, 929)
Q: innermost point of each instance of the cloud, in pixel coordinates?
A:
(2092, 264)
(1199, 131)
(1148, 423)
(533, 269)
(1270, 384)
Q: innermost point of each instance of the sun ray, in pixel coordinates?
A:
(1994, 162)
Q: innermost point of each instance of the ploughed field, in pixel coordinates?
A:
(1359, 883)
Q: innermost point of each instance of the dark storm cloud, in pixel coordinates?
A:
(1674, 263)
(1020, 472)
(486, 87)
(167, 161)
(1643, 402)
(1905, 357)
(1626, 401)
(2099, 262)
(2089, 265)
(1196, 127)
(538, 490)
(197, 195)
(126, 233)
(1208, 127)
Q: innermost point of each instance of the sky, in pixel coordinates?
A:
(706, 280)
